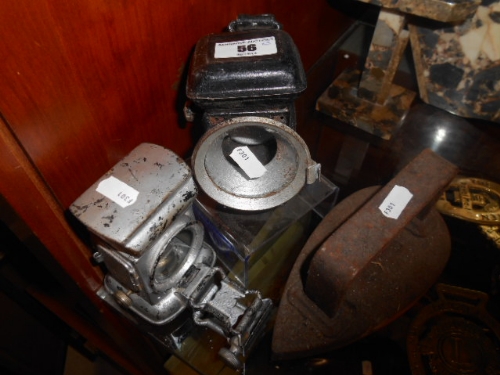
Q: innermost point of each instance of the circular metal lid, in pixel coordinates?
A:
(283, 161)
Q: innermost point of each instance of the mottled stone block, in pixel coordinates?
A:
(439, 10)
(341, 101)
(386, 49)
(458, 65)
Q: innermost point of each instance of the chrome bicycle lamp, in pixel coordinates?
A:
(145, 233)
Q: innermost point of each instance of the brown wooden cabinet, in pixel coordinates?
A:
(81, 84)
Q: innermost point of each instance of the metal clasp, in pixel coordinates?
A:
(238, 314)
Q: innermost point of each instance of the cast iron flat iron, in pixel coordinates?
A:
(375, 254)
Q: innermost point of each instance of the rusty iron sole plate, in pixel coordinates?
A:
(360, 270)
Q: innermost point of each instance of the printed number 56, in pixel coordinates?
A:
(250, 47)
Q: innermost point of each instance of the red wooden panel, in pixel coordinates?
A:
(84, 82)
(26, 192)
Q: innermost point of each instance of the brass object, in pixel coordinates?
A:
(472, 199)
(475, 200)
(454, 335)
(492, 232)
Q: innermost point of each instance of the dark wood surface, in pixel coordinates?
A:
(354, 159)
(83, 83)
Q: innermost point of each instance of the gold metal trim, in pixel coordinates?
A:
(472, 199)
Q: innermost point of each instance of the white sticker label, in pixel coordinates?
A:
(395, 202)
(248, 162)
(243, 48)
(118, 191)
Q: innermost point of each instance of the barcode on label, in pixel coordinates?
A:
(248, 47)
(395, 202)
(118, 191)
(247, 161)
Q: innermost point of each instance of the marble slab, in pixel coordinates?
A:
(458, 65)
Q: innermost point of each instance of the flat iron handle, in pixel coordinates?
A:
(353, 246)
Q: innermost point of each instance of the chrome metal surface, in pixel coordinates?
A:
(166, 188)
(284, 154)
(228, 309)
(158, 264)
